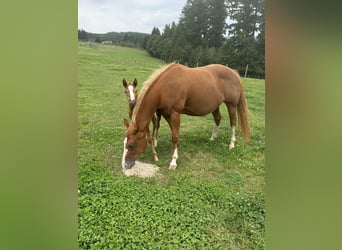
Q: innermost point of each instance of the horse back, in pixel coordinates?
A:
(198, 91)
(227, 81)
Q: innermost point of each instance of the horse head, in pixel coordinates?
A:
(135, 143)
(131, 91)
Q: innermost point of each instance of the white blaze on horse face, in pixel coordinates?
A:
(124, 153)
(233, 139)
(131, 93)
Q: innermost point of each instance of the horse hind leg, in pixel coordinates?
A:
(151, 142)
(156, 125)
(217, 118)
(158, 115)
(232, 117)
(154, 129)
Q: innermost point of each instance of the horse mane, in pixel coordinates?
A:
(146, 85)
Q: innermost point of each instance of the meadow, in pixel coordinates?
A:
(213, 200)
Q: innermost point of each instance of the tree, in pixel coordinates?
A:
(260, 45)
(194, 19)
(198, 39)
(181, 48)
(153, 42)
(203, 23)
(245, 44)
(166, 42)
(82, 35)
(217, 13)
(196, 56)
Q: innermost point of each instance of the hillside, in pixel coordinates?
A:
(129, 39)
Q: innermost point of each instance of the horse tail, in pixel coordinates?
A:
(242, 114)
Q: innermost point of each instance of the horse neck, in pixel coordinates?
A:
(148, 107)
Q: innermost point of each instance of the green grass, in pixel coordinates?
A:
(215, 198)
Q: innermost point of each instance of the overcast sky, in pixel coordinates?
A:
(102, 16)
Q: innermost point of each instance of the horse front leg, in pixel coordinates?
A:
(174, 123)
(173, 163)
(217, 117)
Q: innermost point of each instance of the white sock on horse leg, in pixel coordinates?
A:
(173, 163)
(233, 138)
(214, 134)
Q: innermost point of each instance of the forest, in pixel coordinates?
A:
(229, 32)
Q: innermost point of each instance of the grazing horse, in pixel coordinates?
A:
(176, 89)
(132, 95)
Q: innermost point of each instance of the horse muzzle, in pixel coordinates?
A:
(129, 163)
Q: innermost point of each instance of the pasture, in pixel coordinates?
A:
(213, 200)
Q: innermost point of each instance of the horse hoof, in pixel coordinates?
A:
(212, 139)
(156, 158)
(172, 167)
(231, 146)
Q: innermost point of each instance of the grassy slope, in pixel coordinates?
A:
(214, 200)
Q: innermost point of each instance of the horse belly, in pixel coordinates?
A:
(202, 105)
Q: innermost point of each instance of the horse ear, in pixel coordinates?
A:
(124, 83)
(126, 123)
(135, 82)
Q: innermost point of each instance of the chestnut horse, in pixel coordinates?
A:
(132, 95)
(176, 89)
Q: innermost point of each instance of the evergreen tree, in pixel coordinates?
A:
(166, 43)
(194, 19)
(242, 47)
(152, 44)
(82, 35)
(203, 22)
(181, 49)
(260, 45)
(198, 38)
(217, 22)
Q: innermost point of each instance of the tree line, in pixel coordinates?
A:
(128, 39)
(202, 36)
